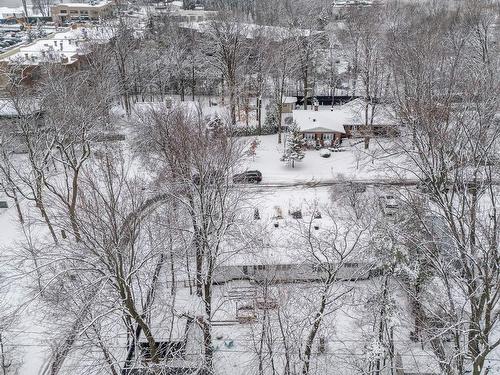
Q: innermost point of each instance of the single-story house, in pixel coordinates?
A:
(321, 128)
(381, 119)
(324, 127)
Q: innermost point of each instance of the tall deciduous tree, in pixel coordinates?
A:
(446, 93)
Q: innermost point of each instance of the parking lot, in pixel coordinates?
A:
(11, 36)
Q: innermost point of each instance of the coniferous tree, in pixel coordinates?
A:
(294, 145)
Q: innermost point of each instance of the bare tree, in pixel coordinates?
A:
(196, 162)
(75, 113)
(446, 91)
(228, 51)
(31, 137)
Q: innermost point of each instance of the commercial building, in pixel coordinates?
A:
(69, 49)
(66, 12)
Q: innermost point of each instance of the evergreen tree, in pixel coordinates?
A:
(294, 145)
(271, 121)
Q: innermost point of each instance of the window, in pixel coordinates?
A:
(351, 265)
(296, 213)
(328, 137)
(283, 267)
(63, 11)
(318, 267)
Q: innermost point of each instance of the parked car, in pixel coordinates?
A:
(389, 205)
(324, 153)
(248, 177)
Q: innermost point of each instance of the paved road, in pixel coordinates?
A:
(313, 183)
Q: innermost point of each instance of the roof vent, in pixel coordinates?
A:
(314, 120)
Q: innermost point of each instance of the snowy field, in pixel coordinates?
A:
(354, 163)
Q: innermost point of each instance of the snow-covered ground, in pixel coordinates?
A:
(354, 163)
(26, 332)
(346, 330)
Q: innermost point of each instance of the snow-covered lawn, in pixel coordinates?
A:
(25, 333)
(354, 163)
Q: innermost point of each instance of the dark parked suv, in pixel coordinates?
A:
(248, 177)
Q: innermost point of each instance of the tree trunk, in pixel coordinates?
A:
(45, 216)
(285, 346)
(305, 88)
(312, 334)
(193, 83)
(232, 102)
(207, 325)
(259, 115)
(222, 92)
(18, 206)
(183, 90)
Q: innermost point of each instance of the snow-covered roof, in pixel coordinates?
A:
(289, 100)
(84, 5)
(253, 31)
(18, 11)
(287, 243)
(327, 121)
(382, 114)
(351, 113)
(62, 47)
(343, 3)
(193, 107)
(6, 12)
(8, 109)
(177, 4)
